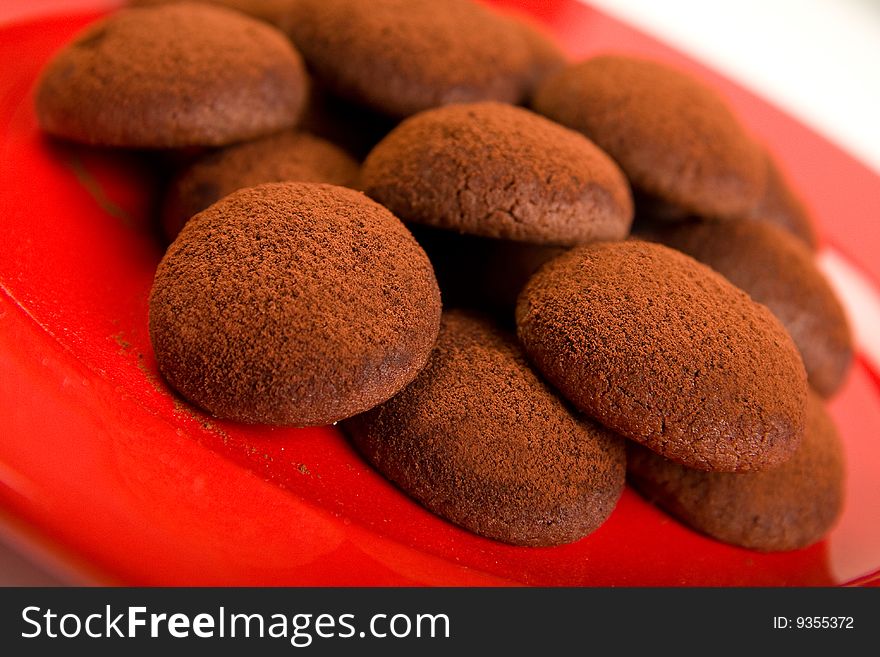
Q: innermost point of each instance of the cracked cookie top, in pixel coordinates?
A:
(666, 352)
(499, 171)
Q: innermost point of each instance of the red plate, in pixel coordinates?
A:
(103, 467)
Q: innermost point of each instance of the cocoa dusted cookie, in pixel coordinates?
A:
(172, 76)
(283, 157)
(479, 439)
(675, 138)
(404, 56)
(293, 304)
(777, 270)
(781, 206)
(665, 351)
(499, 171)
(786, 508)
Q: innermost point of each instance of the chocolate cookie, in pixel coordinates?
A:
(499, 171)
(293, 304)
(788, 507)
(665, 351)
(282, 157)
(674, 137)
(481, 440)
(172, 76)
(777, 270)
(780, 205)
(404, 56)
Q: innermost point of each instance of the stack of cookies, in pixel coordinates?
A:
(303, 287)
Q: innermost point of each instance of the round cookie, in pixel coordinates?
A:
(777, 270)
(780, 206)
(479, 439)
(404, 56)
(172, 76)
(786, 508)
(499, 171)
(282, 157)
(293, 304)
(665, 351)
(674, 137)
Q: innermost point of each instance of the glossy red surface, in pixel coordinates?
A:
(104, 467)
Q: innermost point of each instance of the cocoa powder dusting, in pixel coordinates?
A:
(293, 304)
(288, 156)
(499, 171)
(668, 353)
(404, 56)
(785, 508)
(675, 137)
(777, 270)
(481, 440)
(172, 76)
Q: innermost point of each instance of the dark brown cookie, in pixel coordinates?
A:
(674, 137)
(666, 352)
(780, 205)
(499, 171)
(788, 507)
(293, 304)
(404, 56)
(282, 157)
(777, 270)
(277, 12)
(481, 440)
(172, 76)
